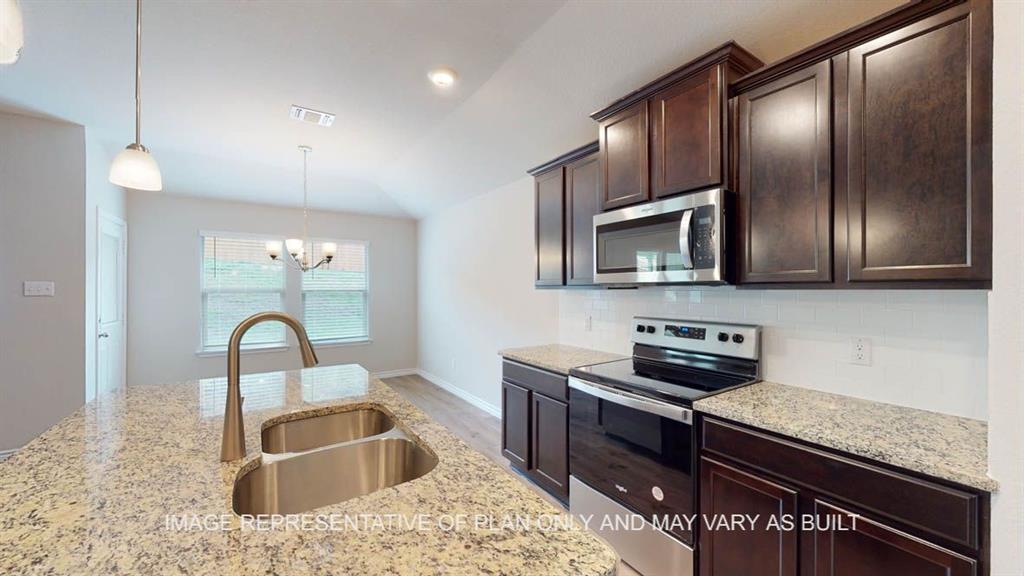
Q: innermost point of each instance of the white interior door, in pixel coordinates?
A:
(111, 288)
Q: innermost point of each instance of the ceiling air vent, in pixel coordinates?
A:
(311, 116)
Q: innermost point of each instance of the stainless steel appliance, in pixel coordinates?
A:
(631, 437)
(679, 240)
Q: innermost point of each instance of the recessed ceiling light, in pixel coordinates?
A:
(443, 77)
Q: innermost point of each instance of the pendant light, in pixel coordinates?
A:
(12, 31)
(134, 167)
(299, 248)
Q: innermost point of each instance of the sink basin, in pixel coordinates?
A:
(301, 483)
(317, 431)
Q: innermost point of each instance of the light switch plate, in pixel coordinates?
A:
(38, 288)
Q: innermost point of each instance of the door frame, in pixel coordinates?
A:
(105, 217)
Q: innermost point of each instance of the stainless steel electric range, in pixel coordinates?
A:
(632, 444)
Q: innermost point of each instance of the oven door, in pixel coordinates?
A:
(670, 241)
(635, 450)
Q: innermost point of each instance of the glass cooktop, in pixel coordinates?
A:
(670, 382)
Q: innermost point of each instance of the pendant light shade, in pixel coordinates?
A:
(135, 168)
(12, 31)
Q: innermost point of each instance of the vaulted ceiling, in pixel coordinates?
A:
(219, 77)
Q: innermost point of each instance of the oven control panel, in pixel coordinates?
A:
(683, 331)
(738, 340)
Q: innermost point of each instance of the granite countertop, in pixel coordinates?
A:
(92, 495)
(558, 358)
(939, 445)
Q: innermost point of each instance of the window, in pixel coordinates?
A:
(239, 280)
(334, 298)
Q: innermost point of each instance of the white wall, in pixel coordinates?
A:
(100, 194)
(917, 360)
(1005, 310)
(164, 278)
(42, 227)
(476, 293)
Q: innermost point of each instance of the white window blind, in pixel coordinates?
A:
(335, 298)
(238, 281)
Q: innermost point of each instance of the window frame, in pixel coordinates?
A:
(211, 351)
(369, 326)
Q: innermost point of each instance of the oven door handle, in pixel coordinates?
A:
(635, 401)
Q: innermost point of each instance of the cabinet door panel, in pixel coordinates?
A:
(686, 135)
(549, 202)
(515, 424)
(724, 491)
(551, 444)
(919, 150)
(623, 157)
(848, 545)
(582, 202)
(785, 179)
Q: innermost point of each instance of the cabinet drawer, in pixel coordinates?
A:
(922, 505)
(547, 383)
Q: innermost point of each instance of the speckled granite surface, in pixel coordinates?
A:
(939, 445)
(557, 357)
(92, 494)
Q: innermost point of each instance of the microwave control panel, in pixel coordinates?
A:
(705, 247)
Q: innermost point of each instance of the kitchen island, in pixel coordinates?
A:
(132, 484)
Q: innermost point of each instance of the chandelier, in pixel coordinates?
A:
(299, 249)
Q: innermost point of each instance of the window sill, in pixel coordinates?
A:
(340, 343)
(250, 350)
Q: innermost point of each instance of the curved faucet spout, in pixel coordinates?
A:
(232, 446)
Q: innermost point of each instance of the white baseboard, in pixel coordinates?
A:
(5, 454)
(471, 398)
(394, 373)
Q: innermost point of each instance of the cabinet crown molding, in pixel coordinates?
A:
(738, 58)
(568, 157)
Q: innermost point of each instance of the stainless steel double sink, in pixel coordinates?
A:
(320, 460)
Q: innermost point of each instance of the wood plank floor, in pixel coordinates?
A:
(474, 426)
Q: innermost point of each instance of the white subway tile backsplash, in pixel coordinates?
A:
(929, 347)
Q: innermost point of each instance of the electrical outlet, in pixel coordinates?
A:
(588, 324)
(860, 351)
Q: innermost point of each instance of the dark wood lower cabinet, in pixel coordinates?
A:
(727, 491)
(846, 517)
(535, 425)
(846, 544)
(551, 445)
(515, 424)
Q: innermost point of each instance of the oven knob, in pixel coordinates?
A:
(650, 329)
(723, 337)
(737, 338)
(639, 327)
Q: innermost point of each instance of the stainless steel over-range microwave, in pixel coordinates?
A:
(678, 240)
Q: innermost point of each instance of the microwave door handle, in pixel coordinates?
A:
(634, 401)
(684, 239)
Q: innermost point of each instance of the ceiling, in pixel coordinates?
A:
(219, 77)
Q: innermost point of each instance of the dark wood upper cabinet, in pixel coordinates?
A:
(566, 199)
(918, 188)
(550, 212)
(846, 544)
(784, 220)
(725, 491)
(686, 134)
(623, 157)
(668, 137)
(582, 199)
